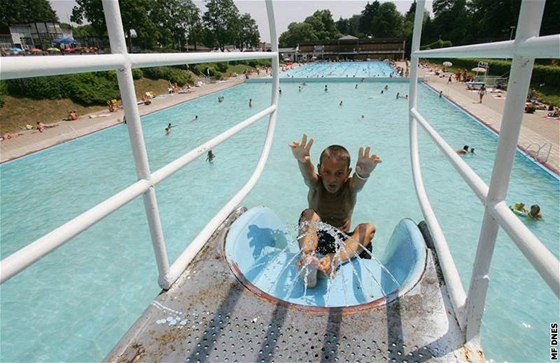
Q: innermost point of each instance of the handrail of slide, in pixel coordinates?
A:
(123, 62)
(523, 50)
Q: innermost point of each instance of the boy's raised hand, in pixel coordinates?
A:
(301, 150)
(366, 163)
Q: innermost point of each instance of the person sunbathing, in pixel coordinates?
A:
(73, 116)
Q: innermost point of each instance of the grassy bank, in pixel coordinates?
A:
(20, 111)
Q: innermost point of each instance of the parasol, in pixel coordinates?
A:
(53, 50)
(65, 40)
(447, 64)
(479, 69)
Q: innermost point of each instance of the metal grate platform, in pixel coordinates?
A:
(209, 316)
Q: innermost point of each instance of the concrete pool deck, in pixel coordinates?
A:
(537, 132)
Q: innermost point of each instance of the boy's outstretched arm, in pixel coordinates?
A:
(301, 153)
(364, 167)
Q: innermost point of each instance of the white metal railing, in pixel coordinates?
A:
(526, 46)
(123, 62)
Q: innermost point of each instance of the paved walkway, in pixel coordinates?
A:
(537, 131)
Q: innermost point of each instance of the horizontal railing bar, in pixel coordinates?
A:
(538, 255)
(37, 66)
(546, 46)
(178, 163)
(36, 250)
(474, 181)
(455, 288)
(33, 252)
(150, 60)
(546, 264)
(200, 240)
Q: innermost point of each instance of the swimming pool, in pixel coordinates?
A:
(370, 69)
(77, 302)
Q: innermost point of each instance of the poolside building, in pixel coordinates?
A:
(32, 35)
(351, 48)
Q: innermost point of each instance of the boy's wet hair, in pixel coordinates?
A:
(338, 152)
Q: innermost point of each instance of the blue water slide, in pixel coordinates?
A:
(262, 254)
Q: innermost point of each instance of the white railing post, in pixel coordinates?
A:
(128, 96)
(275, 60)
(528, 26)
(454, 285)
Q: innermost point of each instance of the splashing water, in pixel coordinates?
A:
(301, 278)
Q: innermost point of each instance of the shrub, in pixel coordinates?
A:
(217, 75)
(137, 73)
(222, 67)
(91, 88)
(3, 90)
(172, 74)
(51, 87)
(179, 76)
(154, 73)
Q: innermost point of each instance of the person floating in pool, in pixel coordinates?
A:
(332, 197)
(535, 212)
(168, 129)
(210, 156)
(465, 150)
(519, 208)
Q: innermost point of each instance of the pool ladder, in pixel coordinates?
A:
(536, 154)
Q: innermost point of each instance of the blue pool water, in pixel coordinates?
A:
(77, 302)
(342, 70)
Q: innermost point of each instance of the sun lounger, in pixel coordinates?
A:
(475, 85)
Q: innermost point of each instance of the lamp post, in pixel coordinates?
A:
(511, 33)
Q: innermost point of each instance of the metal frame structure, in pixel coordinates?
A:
(468, 308)
(123, 62)
(523, 50)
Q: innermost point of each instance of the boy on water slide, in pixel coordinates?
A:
(332, 197)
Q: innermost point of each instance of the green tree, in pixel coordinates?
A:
(387, 23)
(134, 14)
(248, 35)
(297, 33)
(550, 24)
(428, 32)
(354, 23)
(366, 20)
(84, 31)
(451, 20)
(223, 22)
(176, 19)
(343, 25)
(26, 11)
(323, 25)
(492, 20)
